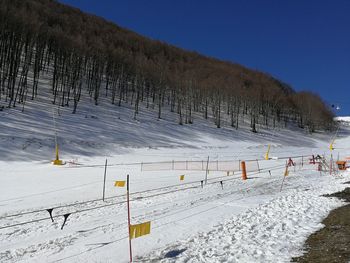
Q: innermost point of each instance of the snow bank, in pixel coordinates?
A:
(272, 232)
(342, 118)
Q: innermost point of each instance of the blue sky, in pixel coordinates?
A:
(305, 43)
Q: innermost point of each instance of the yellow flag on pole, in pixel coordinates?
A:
(119, 183)
(267, 153)
(182, 177)
(140, 229)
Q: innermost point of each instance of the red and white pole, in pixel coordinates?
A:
(128, 204)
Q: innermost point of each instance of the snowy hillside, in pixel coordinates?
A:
(107, 129)
(225, 219)
(344, 120)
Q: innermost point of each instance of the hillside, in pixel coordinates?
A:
(343, 119)
(261, 219)
(238, 220)
(223, 163)
(84, 55)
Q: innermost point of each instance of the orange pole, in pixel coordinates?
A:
(244, 171)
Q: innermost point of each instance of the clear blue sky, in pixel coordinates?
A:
(305, 43)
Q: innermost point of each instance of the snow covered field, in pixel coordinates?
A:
(236, 221)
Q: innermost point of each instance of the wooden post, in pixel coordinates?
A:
(257, 162)
(104, 182)
(284, 176)
(128, 204)
(295, 164)
(206, 171)
(244, 171)
(302, 161)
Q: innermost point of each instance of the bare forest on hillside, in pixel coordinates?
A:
(76, 51)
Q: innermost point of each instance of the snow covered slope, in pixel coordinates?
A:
(227, 219)
(270, 232)
(107, 129)
(344, 120)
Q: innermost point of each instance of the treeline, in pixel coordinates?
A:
(43, 38)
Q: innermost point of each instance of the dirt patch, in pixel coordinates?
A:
(331, 243)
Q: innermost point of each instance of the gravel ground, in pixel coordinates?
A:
(331, 243)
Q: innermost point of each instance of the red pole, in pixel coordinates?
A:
(127, 201)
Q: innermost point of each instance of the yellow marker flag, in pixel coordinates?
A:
(140, 229)
(286, 172)
(119, 183)
(267, 153)
(57, 158)
(331, 146)
(182, 177)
